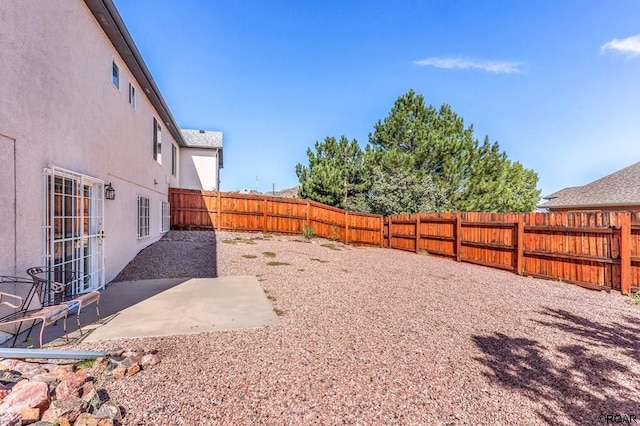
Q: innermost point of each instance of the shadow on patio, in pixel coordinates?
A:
(177, 257)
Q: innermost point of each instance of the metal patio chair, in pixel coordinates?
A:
(45, 278)
(47, 315)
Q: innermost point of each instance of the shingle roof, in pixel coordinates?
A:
(621, 188)
(202, 138)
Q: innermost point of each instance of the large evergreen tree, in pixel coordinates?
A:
(398, 192)
(473, 177)
(334, 173)
(418, 157)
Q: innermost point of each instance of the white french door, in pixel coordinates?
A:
(73, 237)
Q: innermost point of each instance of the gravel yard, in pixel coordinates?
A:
(378, 336)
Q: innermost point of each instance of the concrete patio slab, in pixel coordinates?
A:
(192, 306)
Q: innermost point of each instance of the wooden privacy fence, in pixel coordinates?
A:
(598, 250)
(191, 209)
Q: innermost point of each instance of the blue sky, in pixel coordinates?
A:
(555, 83)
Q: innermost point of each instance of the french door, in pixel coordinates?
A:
(73, 237)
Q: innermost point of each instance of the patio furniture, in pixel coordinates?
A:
(70, 281)
(47, 315)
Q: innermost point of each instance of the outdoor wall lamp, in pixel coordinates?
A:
(109, 192)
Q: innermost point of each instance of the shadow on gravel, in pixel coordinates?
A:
(574, 384)
(178, 254)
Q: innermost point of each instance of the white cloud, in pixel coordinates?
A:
(629, 46)
(497, 67)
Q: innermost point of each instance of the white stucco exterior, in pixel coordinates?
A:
(199, 169)
(60, 108)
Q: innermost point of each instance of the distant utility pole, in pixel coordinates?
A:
(273, 188)
(256, 183)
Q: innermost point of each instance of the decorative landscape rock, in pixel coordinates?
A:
(69, 408)
(26, 394)
(38, 394)
(72, 385)
(26, 369)
(10, 418)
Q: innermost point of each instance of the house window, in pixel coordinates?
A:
(165, 218)
(132, 95)
(174, 159)
(157, 141)
(115, 74)
(143, 217)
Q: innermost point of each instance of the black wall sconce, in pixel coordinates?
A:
(109, 192)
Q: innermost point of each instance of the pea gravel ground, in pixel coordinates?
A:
(377, 336)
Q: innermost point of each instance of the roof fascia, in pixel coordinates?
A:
(108, 18)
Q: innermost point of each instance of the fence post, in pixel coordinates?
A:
(218, 208)
(458, 236)
(308, 220)
(264, 214)
(389, 231)
(417, 233)
(520, 245)
(346, 227)
(625, 253)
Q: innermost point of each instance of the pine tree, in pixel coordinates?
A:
(334, 173)
(424, 141)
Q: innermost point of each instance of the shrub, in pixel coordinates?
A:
(308, 232)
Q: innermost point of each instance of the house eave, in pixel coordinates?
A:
(107, 16)
(588, 206)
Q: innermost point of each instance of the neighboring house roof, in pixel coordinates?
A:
(109, 19)
(202, 138)
(621, 188)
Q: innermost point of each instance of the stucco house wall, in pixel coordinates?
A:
(199, 169)
(60, 108)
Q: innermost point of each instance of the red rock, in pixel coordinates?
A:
(109, 410)
(7, 364)
(69, 408)
(150, 350)
(105, 422)
(26, 395)
(27, 369)
(149, 359)
(66, 367)
(116, 352)
(61, 422)
(86, 419)
(129, 361)
(119, 372)
(61, 374)
(4, 391)
(99, 367)
(10, 419)
(29, 415)
(72, 385)
(88, 392)
(49, 378)
(133, 352)
(133, 369)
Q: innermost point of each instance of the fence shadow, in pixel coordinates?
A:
(573, 384)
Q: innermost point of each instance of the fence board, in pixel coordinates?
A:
(598, 250)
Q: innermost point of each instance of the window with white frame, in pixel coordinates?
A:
(165, 216)
(157, 141)
(143, 217)
(115, 74)
(174, 160)
(132, 95)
